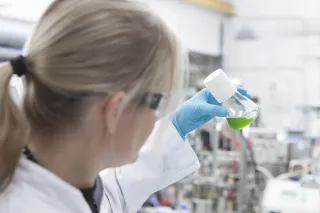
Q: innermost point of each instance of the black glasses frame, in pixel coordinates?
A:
(153, 100)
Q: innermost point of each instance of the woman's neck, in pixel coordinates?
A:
(68, 163)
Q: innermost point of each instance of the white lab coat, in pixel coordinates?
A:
(164, 159)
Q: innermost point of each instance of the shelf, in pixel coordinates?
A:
(222, 7)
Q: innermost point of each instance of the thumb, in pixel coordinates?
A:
(214, 111)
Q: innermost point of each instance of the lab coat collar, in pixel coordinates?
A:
(49, 187)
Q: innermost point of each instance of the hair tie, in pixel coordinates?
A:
(19, 66)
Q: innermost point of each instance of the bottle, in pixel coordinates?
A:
(242, 111)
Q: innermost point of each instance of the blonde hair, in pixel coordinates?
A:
(81, 49)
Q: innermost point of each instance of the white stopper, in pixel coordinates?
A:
(220, 86)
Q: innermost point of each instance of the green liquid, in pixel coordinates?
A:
(239, 123)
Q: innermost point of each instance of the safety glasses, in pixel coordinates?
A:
(153, 100)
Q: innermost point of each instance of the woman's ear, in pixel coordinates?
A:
(112, 111)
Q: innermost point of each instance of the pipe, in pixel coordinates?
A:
(264, 171)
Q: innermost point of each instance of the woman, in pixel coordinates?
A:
(96, 73)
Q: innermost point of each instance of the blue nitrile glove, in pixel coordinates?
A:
(198, 110)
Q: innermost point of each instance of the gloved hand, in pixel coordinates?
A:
(198, 110)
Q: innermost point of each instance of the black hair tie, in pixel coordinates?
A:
(18, 65)
(29, 155)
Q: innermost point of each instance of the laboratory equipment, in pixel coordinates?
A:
(311, 120)
(315, 162)
(294, 197)
(242, 111)
(201, 206)
(203, 188)
(300, 167)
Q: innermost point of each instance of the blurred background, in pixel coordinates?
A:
(270, 47)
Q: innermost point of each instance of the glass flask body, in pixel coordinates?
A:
(242, 111)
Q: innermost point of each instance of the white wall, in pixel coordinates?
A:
(199, 28)
(28, 11)
(281, 65)
(305, 8)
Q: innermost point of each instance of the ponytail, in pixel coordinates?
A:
(13, 129)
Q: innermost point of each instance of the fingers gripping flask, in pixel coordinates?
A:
(242, 111)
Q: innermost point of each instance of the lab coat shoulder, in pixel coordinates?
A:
(164, 159)
(19, 198)
(37, 190)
